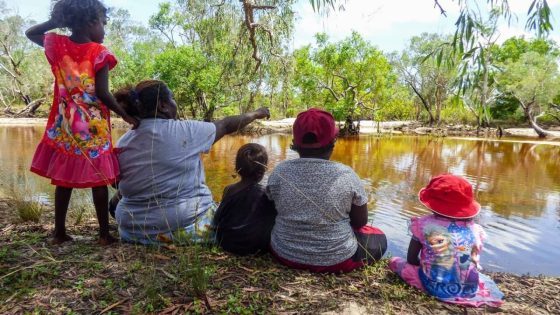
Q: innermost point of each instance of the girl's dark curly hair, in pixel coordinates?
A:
(251, 161)
(75, 14)
(142, 100)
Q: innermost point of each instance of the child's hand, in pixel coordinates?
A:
(262, 112)
(131, 120)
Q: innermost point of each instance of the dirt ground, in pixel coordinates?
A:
(81, 277)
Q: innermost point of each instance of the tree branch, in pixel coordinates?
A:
(248, 8)
(438, 5)
(333, 93)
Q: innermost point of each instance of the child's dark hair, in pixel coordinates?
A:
(143, 99)
(310, 138)
(75, 14)
(251, 161)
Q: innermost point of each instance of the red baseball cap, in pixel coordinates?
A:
(315, 121)
(450, 196)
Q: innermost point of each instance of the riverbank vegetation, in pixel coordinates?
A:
(231, 57)
(83, 278)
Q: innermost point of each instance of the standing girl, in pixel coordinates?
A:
(76, 150)
(444, 252)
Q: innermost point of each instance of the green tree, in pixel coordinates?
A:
(252, 59)
(24, 72)
(430, 83)
(505, 105)
(135, 46)
(534, 81)
(477, 67)
(192, 77)
(351, 78)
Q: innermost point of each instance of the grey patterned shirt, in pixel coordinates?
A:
(313, 198)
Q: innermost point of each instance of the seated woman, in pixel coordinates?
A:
(245, 216)
(321, 205)
(162, 182)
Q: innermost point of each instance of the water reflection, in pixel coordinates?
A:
(517, 184)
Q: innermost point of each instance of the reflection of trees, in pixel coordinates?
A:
(18, 146)
(509, 178)
(219, 163)
(515, 178)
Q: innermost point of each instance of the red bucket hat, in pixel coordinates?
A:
(450, 196)
(315, 121)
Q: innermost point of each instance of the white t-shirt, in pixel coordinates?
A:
(313, 198)
(162, 177)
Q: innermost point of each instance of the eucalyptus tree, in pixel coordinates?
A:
(474, 37)
(477, 68)
(430, 83)
(534, 81)
(246, 42)
(135, 46)
(24, 72)
(508, 52)
(351, 78)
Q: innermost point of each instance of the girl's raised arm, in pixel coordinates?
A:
(37, 32)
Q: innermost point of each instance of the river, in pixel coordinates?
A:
(517, 184)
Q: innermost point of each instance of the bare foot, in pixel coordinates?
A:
(59, 239)
(106, 239)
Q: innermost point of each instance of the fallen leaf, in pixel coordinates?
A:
(162, 257)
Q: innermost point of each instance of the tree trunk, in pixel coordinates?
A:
(30, 108)
(533, 121)
(207, 111)
(424, 102)
(484, 94)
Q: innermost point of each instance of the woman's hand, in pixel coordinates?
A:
(262, 113)
(235, 123)
(131, 120)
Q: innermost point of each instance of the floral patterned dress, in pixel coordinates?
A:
(76, 149)
(449, 262)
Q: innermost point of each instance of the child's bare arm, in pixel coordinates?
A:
(102, 92)
(36, 32)
(358, 216)
(414, 248)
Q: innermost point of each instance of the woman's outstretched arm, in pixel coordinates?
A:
(232, 124)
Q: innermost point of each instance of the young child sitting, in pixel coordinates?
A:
(449, 243)
(245, 216)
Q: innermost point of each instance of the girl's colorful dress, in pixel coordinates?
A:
(448, 262)
(76, 149)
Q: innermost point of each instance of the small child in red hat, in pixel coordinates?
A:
(443, 254)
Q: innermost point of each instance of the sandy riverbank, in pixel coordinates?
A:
(367, 127)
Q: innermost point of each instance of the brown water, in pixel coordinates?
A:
(517, 184)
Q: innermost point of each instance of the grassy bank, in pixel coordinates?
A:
(81, 277)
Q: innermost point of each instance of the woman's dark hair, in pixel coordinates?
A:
(142, 100)
(77, 13)
(251, 161)
(310, 138)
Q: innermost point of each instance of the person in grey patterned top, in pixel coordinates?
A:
(321, 205)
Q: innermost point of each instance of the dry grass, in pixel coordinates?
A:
(24, 203)
(83, 278)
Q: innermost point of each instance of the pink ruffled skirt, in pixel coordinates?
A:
(74, 171)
